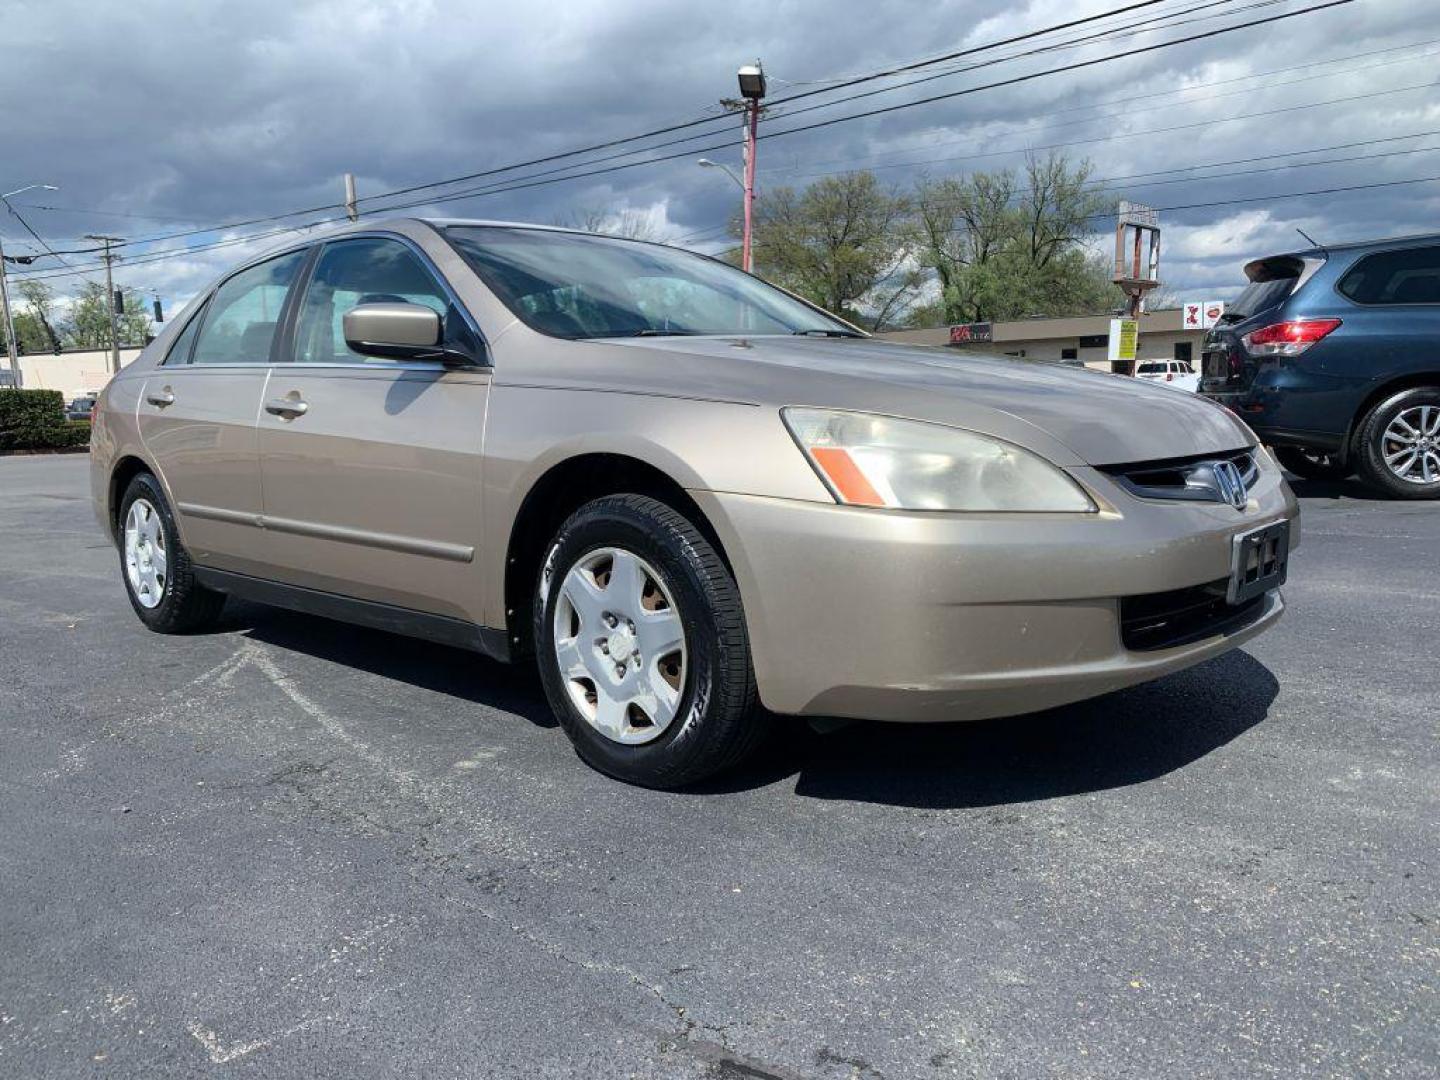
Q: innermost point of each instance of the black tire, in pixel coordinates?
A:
(1370, 445)
(1313, 464)
(185, 605)
(716, 724)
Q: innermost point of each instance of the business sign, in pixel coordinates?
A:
(966, 333)
(1124, 342)
(1202, 315)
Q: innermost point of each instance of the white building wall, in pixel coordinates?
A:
(74, 374)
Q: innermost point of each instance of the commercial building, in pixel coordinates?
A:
(1083, 338)
(74, 372)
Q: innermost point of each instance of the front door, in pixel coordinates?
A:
(371, 468)
(197, 415)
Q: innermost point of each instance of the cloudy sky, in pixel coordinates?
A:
(164, 116)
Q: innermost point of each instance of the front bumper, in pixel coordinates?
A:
(914, 617)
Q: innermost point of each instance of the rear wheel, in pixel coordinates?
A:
(1399, 444)
(1313, 464)
(156, 567)
(642, 645)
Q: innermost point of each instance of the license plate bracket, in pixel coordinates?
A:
(1259, 561)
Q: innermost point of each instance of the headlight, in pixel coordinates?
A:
(870, 460)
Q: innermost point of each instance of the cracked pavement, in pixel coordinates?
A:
(293, 848)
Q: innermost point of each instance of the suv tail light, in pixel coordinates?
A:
(1287, 338)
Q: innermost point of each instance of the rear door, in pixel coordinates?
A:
(371, 468)
(197, 413)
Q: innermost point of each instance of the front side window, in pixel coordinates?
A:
(1395, 277)
(362, 271)
(574, 285)
(240, 321)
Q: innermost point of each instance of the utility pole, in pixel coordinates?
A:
(10, 347)
(752, 89)
(110, 297)
(351, 210)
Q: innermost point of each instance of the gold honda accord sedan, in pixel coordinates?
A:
(685, 493)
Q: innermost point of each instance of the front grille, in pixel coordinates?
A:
(1187, 479)
(1182, 616)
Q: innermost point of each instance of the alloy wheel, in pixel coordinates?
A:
(1411, 444)
(620, 645)
(145, 556)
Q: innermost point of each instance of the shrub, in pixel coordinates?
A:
(35, 420)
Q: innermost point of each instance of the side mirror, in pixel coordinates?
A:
(394, 331)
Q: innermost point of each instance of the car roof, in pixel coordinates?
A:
(1379, 244)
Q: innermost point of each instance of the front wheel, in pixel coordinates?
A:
(1313, 464)
(1399, 444)
(642, 645)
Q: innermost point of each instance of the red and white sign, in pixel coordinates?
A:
(1202, 315)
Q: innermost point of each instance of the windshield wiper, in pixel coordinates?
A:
(825, 333)
(646, 331)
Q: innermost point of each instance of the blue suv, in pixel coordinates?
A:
(1332, 355)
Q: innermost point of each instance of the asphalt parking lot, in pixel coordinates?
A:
(296, 849)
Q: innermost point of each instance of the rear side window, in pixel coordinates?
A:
(241, 319)
(1411, 276)
(180, 351)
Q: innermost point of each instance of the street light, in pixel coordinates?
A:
(11, 349)
(706, 163)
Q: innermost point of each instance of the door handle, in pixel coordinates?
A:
(287, 407)
(160, 400)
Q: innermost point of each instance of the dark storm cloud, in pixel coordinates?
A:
(213, 112)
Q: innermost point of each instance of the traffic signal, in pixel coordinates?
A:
(119, 302)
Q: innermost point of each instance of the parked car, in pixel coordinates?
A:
(1332, 354)
(80, 408)
(1173, 373)
(682, 491)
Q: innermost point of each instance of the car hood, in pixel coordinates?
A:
(1071, 415)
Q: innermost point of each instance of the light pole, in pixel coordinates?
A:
(12, 349)
(752, 89)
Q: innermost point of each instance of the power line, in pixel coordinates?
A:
(1164, 93)
(1113, 32)
(528, 182)
(620, 141)
(725, 116)
(1106, 180)
(1032, 148)
(38, 238)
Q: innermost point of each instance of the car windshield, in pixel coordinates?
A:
(577, 285)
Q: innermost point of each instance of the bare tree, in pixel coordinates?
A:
(628, 222)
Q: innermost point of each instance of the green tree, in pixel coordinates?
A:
(843, 243)
(1004, 245)
(35, 321)
(88, 326)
